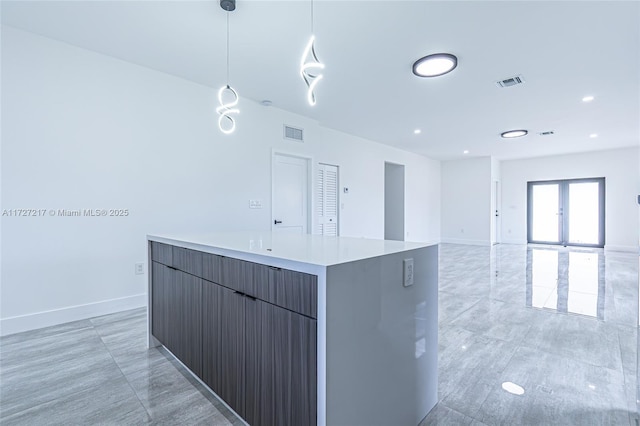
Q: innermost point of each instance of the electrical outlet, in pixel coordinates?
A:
(140, 268)
(408, 272)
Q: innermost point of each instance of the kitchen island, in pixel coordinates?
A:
(301, 329)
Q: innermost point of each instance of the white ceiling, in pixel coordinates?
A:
(564, 49)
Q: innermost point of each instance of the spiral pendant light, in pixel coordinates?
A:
(227, 96)
(310, 66)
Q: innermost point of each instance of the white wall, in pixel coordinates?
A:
(82, 130)
(466, 201)
(619, 167)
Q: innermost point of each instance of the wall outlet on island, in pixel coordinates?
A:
(139, 268)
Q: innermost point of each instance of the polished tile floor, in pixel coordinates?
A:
(99, 371)
(558, 323)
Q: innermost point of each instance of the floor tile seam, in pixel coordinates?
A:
(70, 394)
(479, 410)
(456, 411)
(200, 388)
(126, 378)
(66, 396)
(625, 375)
(111, 321)
(41, 337)
(571, 358)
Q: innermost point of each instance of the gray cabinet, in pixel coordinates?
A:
(177, 314)
(281, 362)
(247, 330)
(223, 343)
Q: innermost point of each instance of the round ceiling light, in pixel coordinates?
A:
(435, 65)
(513, 134)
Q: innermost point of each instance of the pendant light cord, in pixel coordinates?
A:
(227, 48)
(311, 16)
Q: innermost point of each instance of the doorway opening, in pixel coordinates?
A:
(393, 201)
(566, 212)
(496, 234)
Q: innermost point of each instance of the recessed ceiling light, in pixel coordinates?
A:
(435, 65)
(588, 98)
(266, 102)
(593, 135)
(466, 151)
(513, 134)
(417, 131)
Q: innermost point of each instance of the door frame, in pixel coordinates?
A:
(563, 204)
(309, 163)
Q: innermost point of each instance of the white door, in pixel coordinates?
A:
(289, 189)
(327, 200)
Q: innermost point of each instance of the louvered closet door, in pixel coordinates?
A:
(327, 200)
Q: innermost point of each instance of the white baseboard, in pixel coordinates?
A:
(467, 242)
(513, 241)
(28, 322)
(626, 249)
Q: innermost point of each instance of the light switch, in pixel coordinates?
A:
(408, 272)
(255, 204)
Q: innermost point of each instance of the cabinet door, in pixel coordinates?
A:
(177, 314)
(160, 279)
(281, 366)
(185, 320)
(223, 344)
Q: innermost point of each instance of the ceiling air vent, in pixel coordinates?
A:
(293, 133)
(547, 133)
(508, 82)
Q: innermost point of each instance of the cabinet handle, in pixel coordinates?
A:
(171, 267)
(250, 297)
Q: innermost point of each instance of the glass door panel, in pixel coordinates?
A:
(584, 213)
(546, 213)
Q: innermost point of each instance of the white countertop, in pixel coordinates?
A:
(304, 248)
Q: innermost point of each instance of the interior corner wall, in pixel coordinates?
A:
(466, 201)
(619, 167)
(81, 130)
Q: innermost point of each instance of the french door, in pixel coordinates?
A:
(566, 212)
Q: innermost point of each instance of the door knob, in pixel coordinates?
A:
(275, 222)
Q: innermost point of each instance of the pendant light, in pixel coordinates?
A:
(227, 96)
(310, 66)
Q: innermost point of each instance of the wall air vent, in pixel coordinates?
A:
(512, 81)
(293, 133)
(547, 133)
